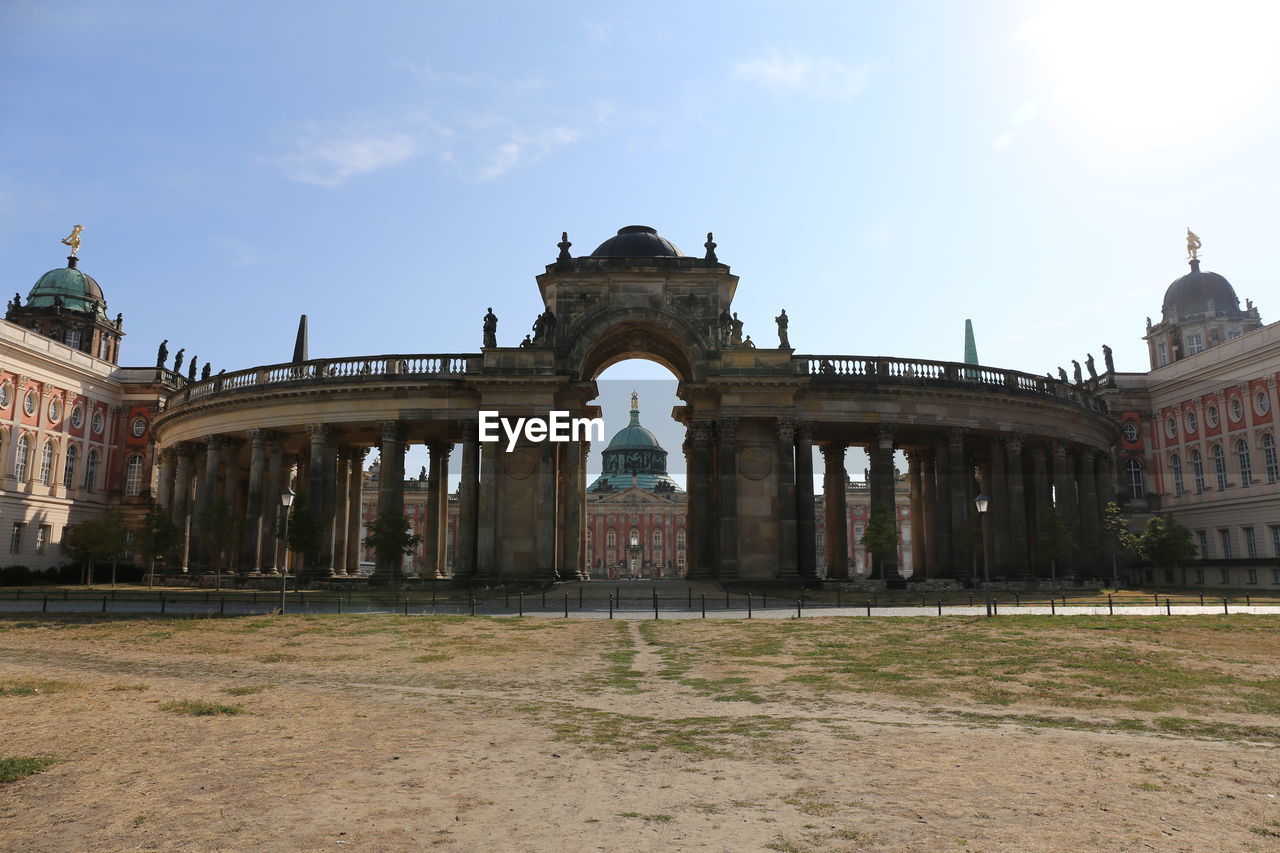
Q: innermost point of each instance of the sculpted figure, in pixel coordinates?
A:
(735, 335)
(1062, 376)
(490, 329)
(527, 342)
(191, 369)
(1106, 358)
(783, 321)
(177, 360)
(73, 239)
(748, 343)
(1075, 370)
(162, 354)
(206, 371)
(1088, 364)
(1193, 244)
(726, 328)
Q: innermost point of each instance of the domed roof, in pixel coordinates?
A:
(1193, 293)
(634, 456)
(637, 241)
(634, 437)
(78, 291)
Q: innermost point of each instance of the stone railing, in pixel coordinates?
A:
(914, 371)
(375, 368)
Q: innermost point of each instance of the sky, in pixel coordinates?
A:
(881, 170)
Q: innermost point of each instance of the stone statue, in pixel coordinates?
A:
(58, 304)
(1075, 371)
(422, 474)
(735, 336)
(544, 327)
(748, 343)
(782, 320)
(710, 246)
(206, 371)
(177, 360)
(1089, 366)
(563, 246)
(490, 329)
(527, 342)
(191, 370)
(1107, 359)
(17, 300)
(73, 239)
(1248, 305)
(1148, 324)
(726, 328)
(635, 401)
(162, 354)
(1193, 245)
(1062, 376)
(120, 321)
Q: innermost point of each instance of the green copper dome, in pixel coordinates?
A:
(634, 456)
(78, 292)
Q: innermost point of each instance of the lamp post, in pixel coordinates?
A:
(982, 502)
(286, 500)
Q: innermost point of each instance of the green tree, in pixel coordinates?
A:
(94, 540)
(1056, 542)
(1165, 542)
(305, 530)
(154, 536)
(218, 528)
(389, 536)
(880, 537)
(1116, 538)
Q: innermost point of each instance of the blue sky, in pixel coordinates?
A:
(881, 170)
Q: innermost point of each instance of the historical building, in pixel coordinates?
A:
(75, 428)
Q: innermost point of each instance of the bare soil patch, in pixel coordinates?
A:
(394, 733)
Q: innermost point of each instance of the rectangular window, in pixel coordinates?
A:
(42, 536)
(1203, 539)
(73, 338)
(1232, 334)
(1275, 540)
(1226, 577)
(1224, 539)
(1250, 543)
(1162, 355)
(1253, 576)
(15, 538)
(1195, 344)
(126, 553)
(1275, 575)
(1199, 575)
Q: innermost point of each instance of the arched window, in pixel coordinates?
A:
(1175, 462)
(20, 464)
(1220, 466)
(133, 476)
(69, 467)
(680, 540)
(1269, 456)
(1133, 472)
(1197, 470)
(1245, 459)
(657, 539)
(612, 539)
(46, 463)
(90, 470)
(635, 537)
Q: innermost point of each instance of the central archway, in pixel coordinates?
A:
(637, 333)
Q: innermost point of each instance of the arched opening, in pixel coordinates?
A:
(636, 480)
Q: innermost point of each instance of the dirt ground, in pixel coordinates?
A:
(391, 733)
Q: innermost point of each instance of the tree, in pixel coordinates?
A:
(154, 536)
(1116, 538)
(880, 537)
(93, 540)
(1165, 542)
(1056, 542)
(389, 536)
(305, 530)
(218, 527)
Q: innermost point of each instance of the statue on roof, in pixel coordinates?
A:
(162, 354)
(177, 360)
(782, 320)
(635, 401)
(735, 335)
(191, 369)
(710, 246)
(1193, 245)
(206, 371)
(73, 239)
(726, 328)
(563, 246)
(1062, 375)
(1089, 365)
(1107, 359)
(748, 343)
(1075, 371)
(490, 329)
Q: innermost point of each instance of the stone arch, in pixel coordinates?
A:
(658, 336)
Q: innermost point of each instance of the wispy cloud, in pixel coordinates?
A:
(329, 156)
(817, 77)
(523, 149)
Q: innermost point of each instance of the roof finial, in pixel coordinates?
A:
(300, 348)
(635, 401)
(1193, 245)
(564, 245)
(73, 239)
(711, 249)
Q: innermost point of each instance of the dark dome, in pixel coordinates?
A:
(1191, 294)
(79, 292)
(637, 241)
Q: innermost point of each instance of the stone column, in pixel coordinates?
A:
(341, 509)
(1065, 502)
(700, 516)
(584, 566)
(929, 505)
(434, 535)
(355, 508)
(1019, 565)
(1090, 512)
(182, 503)
(545, 509)
(250, 557)
(727, 468)
(570, 567)
(321, 476)
(998, 508)
(806, 521)
(1041, 501)
(944, 565)
(836, 513)
(273, 486)
(788, 558)
(915, 480)
(487, 522)
(206, 494)
(464, 555)
(958, 478)
(391, 490)
(883, 496)
(164, 484)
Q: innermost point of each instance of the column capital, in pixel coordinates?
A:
(804, 430)
(214, 442)
(700, 431)
(1013, 442)
(834, 448)
(320, 433)
(470, 430)
(955, 438)
(441, 448)
(392, 430)
(884, 434)
(786, 428)
(727, 429)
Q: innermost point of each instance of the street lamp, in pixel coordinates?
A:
(982, 502)
(286, 500)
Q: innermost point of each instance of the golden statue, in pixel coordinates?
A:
(635, 401)
(1193, 245)
(73, 239)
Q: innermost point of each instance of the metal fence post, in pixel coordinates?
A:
(868, 608)
(1224, 607)
(44, 608)
(748, 605)
(566, 605)
(104, 603)
(1111, 611)
(162, 603)
(610, 605)
(406, 605)
(520, 603)
(222, 606)
(1168, 607)
(939, 606)
(704, 605)
(1053, 606)
(472, 599)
